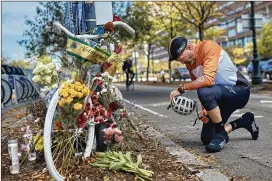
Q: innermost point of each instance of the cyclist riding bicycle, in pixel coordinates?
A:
(221, 89)
(127, 68)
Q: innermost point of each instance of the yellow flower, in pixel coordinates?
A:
(85, 91)
(39, 144)
(69, 100)
(79, 95)
(78, 87)
(77, 106)
(62, 102)
(77, 83)
(67, 85)
(73, 93)
(64, 94)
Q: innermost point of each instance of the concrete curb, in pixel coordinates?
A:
(201, 169)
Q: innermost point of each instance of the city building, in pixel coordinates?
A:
(236, 21)
(232, 21)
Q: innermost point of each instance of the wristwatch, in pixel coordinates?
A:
(180, 89)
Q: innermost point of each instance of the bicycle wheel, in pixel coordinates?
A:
(2, 93)
(62, 148)
(30, 88)
(19, 89)
(26, 89)
(8, 91)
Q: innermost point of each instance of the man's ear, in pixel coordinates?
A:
(189, 46)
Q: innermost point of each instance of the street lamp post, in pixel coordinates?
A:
(136, 64)
(256, 77)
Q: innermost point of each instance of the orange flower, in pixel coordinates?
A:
(58, 125)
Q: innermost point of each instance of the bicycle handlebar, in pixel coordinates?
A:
(125, 26)
(116, 23)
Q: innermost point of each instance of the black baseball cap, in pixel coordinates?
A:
(176, 47)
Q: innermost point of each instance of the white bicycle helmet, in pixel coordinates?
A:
(183, 105)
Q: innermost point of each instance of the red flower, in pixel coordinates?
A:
(114, 105)
(114, 125)
(105, 65)
(118, 49)
(99, 119)
(58, 125)
(118, 138)
(124, 114)
(116, 18)
(109, 26)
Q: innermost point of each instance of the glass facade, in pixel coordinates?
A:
(231, 33)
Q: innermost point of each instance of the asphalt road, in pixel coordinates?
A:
(241, 158)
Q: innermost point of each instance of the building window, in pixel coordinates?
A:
(231, 12)
(240, 42)
(223, 26)
(239, 26)
(231, 43)
(224, 44)
(231, 33)
(249, 39)
(240, 9)
(231, 24)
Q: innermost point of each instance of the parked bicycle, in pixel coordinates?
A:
(65, 144)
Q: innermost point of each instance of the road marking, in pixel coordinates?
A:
(148, 110)
(239, 115)
(236, 115)
(258, 116)
(265, 101)
(160, 104)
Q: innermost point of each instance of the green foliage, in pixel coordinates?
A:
(21, 63)
(236, 54)
(197, 13)
(265, 44)
(138, 16)
(45, 59)
(213, 32)
(40, 38)
(119, 161)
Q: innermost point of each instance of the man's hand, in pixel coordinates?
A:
(173, 94)
(203, 116)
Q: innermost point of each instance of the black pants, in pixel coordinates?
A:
(129, 72)
(227, 98)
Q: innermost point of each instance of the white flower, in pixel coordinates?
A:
(51, 66)
(100, 78)
(37, 120)
(47, 70)
(103, 90)
(98, 93)
(36, 78)
(47, 79)
(54, 86)
(105, 74)
(94, 79)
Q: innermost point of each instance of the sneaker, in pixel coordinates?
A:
(252, 128)
(217, 143)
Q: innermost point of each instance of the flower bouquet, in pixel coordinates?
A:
(46, 76)
(71, 104)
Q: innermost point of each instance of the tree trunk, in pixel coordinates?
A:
(170, 70)
(201, 32)
(148, 58)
